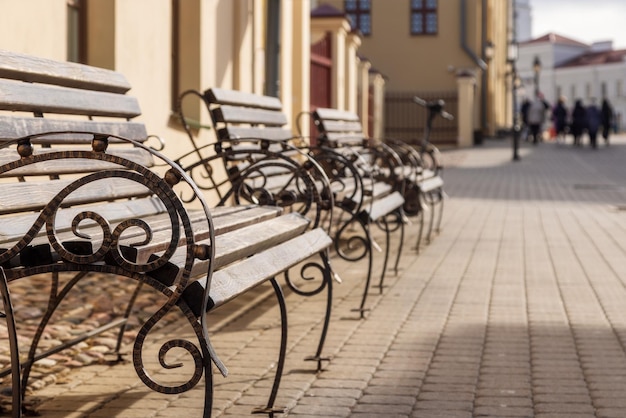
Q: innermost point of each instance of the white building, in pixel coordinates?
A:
(574, 70)
(523, 20)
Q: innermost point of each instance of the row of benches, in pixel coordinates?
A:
(84, 194)
(372, 182)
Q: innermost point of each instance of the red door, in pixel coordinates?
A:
(321, 73)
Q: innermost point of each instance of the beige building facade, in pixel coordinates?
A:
(433, 47)
(164, 47)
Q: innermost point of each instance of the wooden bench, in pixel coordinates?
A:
(247, 120)
(81, 196)
(417, 176)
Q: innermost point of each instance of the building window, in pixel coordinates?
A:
(359, 13)
(573, 93)
(424, 17)
(77, 31)
(588, 91)
(620, 89)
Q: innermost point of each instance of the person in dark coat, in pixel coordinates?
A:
(524, 112)
(594, 121)
(606, 116)
(537, 116)
(579, 122)
(559, 117)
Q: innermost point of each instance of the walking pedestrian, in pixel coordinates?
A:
(579, 122)
(606, 115)
(559, 117)
(524, 111)
(593, 123)
(537, 116)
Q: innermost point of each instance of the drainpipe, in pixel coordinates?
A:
(483, 83)
(272, 52)
(479, 61)
(482, 64)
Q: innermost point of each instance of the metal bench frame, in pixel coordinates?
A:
(254, 119)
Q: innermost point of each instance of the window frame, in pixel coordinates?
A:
(424, 10)
(77, 31)
(359, 12)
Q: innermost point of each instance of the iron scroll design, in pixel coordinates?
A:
(113, 237)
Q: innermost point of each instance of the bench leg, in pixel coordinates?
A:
(208, 388)
(431, 222)
(269, 409)
(327, 283)
(441, 201)
(127, 313)
(367, 244)
(396, 265)
(370, 266)
(55, 298)
(420, 232)
(16, 389)
(385, 227)
(388, 231)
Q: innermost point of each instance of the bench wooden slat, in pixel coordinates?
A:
(31, 196)
(385, 205)
(223, 224)
(226, 223)
(12, 127)
(238, 243)
(237, 114)
(152, 212)
(431, 183)
(246, 241)
(26, 97)
(343, 127)
(18, 66)
(240, 98)
(66, 166)
(231, 281)
(344, 139)
(336, 114)
(269, 133)
(14, 229)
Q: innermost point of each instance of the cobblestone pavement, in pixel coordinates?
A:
(514, 310)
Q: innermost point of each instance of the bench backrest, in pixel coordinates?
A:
(338, 128)
(237, 114)
(259, 152)
(86, 108)
(251, 118)
(39, 87)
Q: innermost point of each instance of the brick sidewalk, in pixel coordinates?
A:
(515, 310)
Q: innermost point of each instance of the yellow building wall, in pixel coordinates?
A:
(417, 62)
(139, 55)
(431, 63)
(34, 27)
(221, 44)
(101, 33)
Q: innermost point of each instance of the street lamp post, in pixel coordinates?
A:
(536, 70)
(512, 58)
